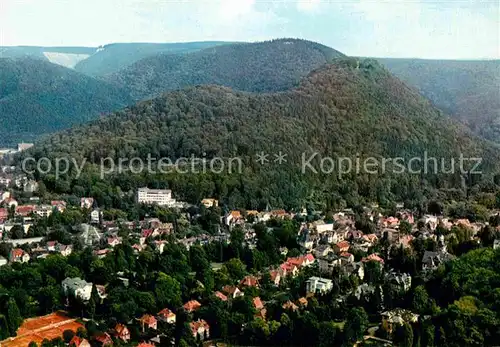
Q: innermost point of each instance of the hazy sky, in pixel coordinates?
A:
(393, 28)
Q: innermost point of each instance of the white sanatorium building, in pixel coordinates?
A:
(161, 197)
(319, 285)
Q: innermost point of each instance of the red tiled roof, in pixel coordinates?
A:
(103, 338)
(221, 296)
(373, 257)
(198, 324)
(257, 303)
(17, 252)
(148, 319)
(343, 244)
(121, 329)
(166, 313)
(76, 341)
(249, 281)
(229, 289)
(147, 232)
(192, 305)
(4, 213)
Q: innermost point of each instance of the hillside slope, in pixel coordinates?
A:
(38, 97)
(345, 109)
(114, 57)
(257, 67)
(467, 90)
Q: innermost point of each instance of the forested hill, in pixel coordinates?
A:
(343, 109)
(467, 90)
(113, 57)
(38, 97)
(257, 67)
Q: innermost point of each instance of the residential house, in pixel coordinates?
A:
(341, 247)
(200, 329)
(354, 234)
(86, 203)
(232, 292)
(496, 244)
(321, 228)
(249, 281)
(354, 268)
(121, 332)
(302, 261)
(303, 302)
(44, 211)
(167, 316)
(220, 296)
(11, 202)
(78, 288)
(328, 263)
(65, 250)
(373, 257)
(322, 251)
(332, 237)
(288, 269)
(259, 308)
(346, 257)
(401, 282)
(290, 306)
(232, 217)
(431, 260)
(25, 210)
(148, 321)
(101, 253)
(96, 216)
(51, 246)
(371, 238)
(397, 317)
(17, 255)
(405, 241)
(209, 202)
(114, 241)
(59, 205)
(191, 306)
(146, 344)
(319, 285)
(279, 214)
(103, 339)
(4, 214)
(275, 277)
(4, 196)
(366, 290)
(30, 187)
(77, 341)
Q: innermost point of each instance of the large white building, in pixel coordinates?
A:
(319, 285)
(78, 288)
(162, 197)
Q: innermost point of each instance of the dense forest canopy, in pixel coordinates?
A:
(467, 90)
(37, 97)
(347, 109)
(255, 67)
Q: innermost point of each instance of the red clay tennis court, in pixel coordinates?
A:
(39, 328)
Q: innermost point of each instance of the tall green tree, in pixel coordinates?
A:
(14, 318)
(356, 324)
